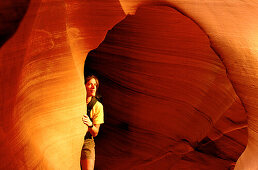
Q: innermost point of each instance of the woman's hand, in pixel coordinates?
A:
(86, 120)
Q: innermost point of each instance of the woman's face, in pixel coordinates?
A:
(91, 87)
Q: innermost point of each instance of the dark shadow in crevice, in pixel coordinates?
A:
(11, 14)
(142, 59)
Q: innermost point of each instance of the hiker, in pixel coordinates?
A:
(93, 119)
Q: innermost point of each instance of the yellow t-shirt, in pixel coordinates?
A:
(97, 113)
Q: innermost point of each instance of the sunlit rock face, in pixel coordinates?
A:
(171, 101)
(36, 69)
(167, 98)
(42, 87)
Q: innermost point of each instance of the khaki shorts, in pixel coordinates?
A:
(88, 149)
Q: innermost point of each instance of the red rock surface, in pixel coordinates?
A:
(159, 67)
(177, 85)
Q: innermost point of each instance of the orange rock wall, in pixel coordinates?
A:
(159, 67)
(176, 84)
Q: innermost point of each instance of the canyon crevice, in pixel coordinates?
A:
(178, 81)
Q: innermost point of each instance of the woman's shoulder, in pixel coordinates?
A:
(98, 105)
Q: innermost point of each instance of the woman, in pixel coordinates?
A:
(93, 121)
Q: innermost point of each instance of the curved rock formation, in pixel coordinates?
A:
(165, 90)
(170, 100)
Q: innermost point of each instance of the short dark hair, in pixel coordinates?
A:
(88, 78)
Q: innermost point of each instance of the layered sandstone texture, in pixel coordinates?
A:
(178, 83)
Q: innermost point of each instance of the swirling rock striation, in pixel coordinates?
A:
(177, 85)
(167, 97)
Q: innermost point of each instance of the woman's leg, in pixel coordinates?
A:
(87, 164)
(88, 155)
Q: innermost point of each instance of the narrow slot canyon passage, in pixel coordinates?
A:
(168, 102)
(177, 85)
